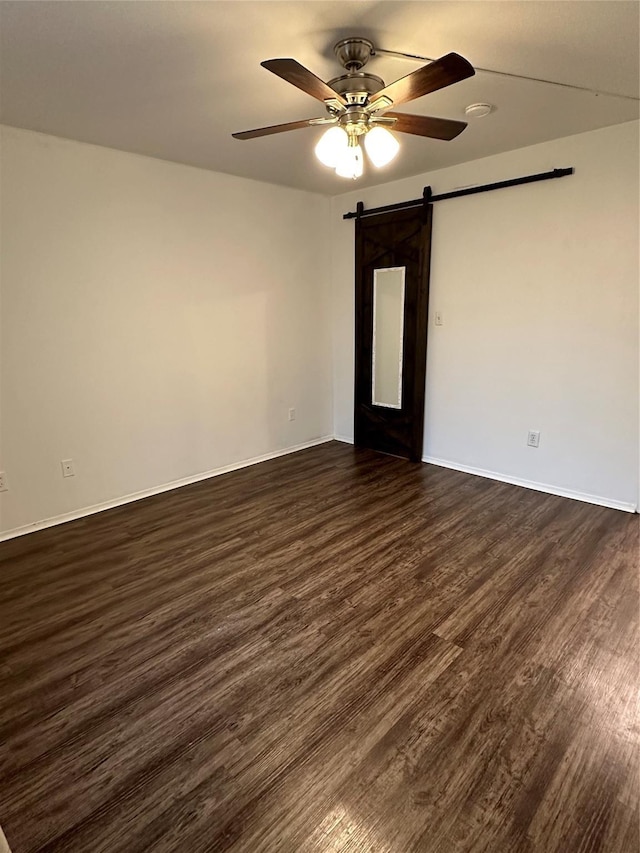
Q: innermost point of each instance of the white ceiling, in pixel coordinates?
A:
(175, 79)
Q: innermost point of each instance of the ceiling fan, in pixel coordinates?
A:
(358, 105)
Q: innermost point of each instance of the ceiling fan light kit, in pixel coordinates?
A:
(338, 150)
(358, 105)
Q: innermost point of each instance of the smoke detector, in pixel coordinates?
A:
(478, 110)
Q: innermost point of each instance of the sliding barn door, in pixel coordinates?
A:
(392, 295)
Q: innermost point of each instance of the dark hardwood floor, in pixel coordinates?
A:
(332, 651)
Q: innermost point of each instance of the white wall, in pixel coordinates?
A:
(538, 286)
(157, 322)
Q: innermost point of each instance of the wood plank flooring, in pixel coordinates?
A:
(332, 651)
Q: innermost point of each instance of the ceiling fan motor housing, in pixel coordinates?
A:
(356, 86)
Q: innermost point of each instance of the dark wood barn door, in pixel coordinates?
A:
(392, 296)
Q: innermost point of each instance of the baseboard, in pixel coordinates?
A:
(226, 469)
(156, 490)
(343, 438)
(530, 484)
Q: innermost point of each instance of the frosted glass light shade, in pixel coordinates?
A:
(331, 146)
(350, 162)
(381, 146)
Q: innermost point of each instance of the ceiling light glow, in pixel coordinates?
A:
(381, 146)
(339, 149)
(332, 145)
(350, 163)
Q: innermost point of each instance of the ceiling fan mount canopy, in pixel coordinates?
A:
(353, 53)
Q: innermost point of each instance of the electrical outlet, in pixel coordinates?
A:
(439, 318)
(533, 438)
(67, 468)
(292, 414)
(4, 486)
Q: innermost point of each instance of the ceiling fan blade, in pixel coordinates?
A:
(443, 72)
(275, 128)
(298, 75)
(435, 128)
